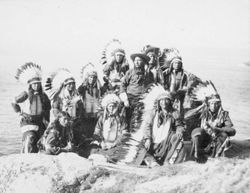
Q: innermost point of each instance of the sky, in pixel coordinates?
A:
(73, 32)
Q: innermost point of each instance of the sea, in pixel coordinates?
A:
(228, 69)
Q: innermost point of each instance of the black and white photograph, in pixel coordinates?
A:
(124, 96)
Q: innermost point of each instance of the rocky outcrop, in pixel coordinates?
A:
(67, 172)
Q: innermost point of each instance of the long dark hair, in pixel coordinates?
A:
(31, 93)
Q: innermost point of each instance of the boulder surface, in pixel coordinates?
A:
(68, 172)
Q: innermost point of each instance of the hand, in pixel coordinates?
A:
(69, 146)
(179, 134)
(147, 144)
(124, 98)
(57, 150)
(103, 145)
(126, 103)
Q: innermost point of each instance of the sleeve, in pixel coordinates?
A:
(185, 81)
(19, 99)
(79, 109)
(47, 107)
(81, 91)
(166, 75)
(149, 79)
(160, 78)
(228, 125)
(124, 68)
(125, 82)
(98, 129)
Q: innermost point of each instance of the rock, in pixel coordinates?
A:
(68, 172)
(42, 173)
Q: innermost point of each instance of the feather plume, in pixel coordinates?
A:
(150, 99)
(110, 98)
(87, 69)
(167, 56)
(108, 52)
(133, 146)
(55, 82)
(91, 68)
(27, 72)
(204, 91)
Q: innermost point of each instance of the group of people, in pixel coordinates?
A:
(95, 117)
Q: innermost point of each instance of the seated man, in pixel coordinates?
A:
(70, 102)
(163, 128)
(215, 127)
(110, 127)
(58, 136)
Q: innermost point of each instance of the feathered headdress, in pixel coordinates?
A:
(135, 150)
(110, 49)
(156, 93)
(56, 81)
(205, 92)
(91, 69)
(87, 70)
(167, 56)
(110, 98)
(29, 73)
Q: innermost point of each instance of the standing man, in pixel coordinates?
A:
(90, 92)
(176, 81)
(133, 85)
(153, 64)
(114, 71)
(33, 106)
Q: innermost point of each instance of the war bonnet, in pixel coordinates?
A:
(110, 99)
(29, 73)
(88, 70)
(156, 93)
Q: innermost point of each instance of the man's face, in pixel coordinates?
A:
(70, 86)
(177, 65)
(138, 62)
(36, 86)
(165, 103)
(92, 79)
(119, 57)
(152, 57)
(214, 106)
(64, 121)
(111, 108)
